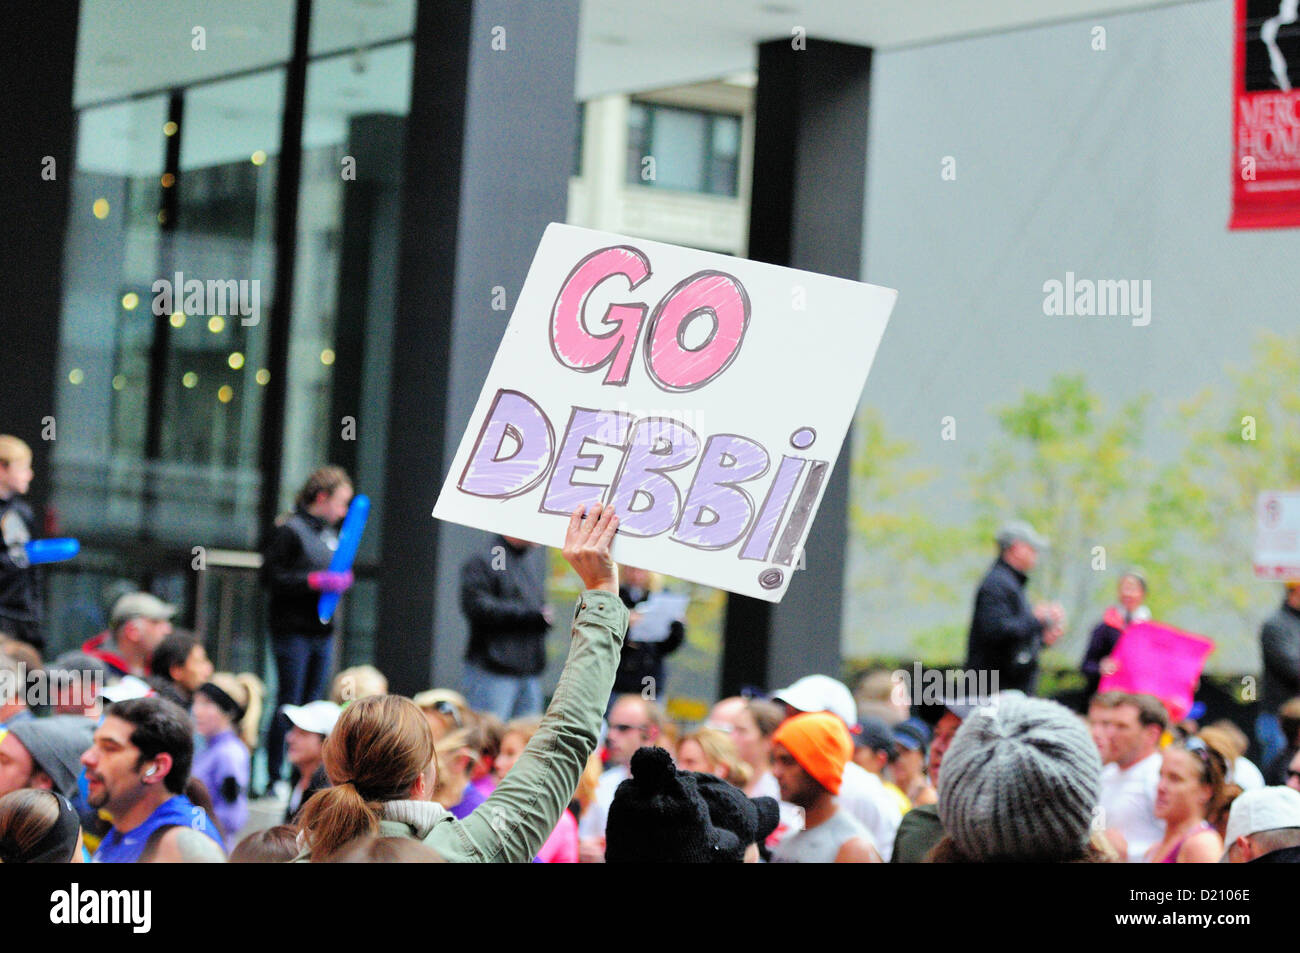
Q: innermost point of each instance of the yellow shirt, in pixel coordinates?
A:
(904, 802)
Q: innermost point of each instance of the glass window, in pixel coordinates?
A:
(355, 24)
(346, 275)
(638, 141)
(724, 156)
(693, 150)
(126, 48)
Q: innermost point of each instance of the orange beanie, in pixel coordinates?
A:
(821, 744)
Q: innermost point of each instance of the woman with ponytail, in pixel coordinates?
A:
(380, 757)
(1193, 790)
(227, 711)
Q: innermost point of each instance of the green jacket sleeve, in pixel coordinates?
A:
(512, 824)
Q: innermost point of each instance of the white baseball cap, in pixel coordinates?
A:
(821, 693)
(125, 689)
(317, 717)
(1264, 809)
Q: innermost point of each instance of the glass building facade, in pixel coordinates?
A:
(170, 344)
(169, 293)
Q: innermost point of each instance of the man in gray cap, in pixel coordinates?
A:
(1006, 635)
(44, 753)
(138, 624)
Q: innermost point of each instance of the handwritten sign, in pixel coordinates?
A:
(705, 397)
(1277, 536)
(1159, 660)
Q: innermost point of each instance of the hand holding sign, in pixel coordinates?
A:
(339, 576)
(587, 546)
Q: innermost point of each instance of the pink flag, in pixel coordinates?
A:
(1159, 660)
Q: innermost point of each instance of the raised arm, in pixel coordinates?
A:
(515, 821)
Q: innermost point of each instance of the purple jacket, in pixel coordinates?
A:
(224, 767)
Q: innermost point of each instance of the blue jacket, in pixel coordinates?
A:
(177, 811)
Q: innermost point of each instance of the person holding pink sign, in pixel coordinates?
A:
(1132, 608)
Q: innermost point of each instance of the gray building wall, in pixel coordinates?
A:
(1111, 164)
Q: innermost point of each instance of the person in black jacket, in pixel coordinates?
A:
(295, 569)
(641, 665)
(503, 596)
(1006, 635)
(1279, 644)
(20, 591)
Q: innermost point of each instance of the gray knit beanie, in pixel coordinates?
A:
(1020, 782)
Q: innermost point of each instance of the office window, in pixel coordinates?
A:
(692, 150)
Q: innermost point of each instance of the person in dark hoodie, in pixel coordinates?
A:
(503, 596)
(295, 570)
(136, 771)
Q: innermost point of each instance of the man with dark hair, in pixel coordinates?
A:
(1006, 635)
(1131, 771)
(809, 753)
(136, 770)
(295, 570)
(180, 665)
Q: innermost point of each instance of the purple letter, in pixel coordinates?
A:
(494, 472)
(659, 444)
(717, 510)
(778, 497)
(605, 427)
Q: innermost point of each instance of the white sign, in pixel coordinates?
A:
(1277, 535)
(705, 397)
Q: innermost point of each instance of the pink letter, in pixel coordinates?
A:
(571, 343)
(674, 366)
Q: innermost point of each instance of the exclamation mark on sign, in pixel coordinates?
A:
(760, 540)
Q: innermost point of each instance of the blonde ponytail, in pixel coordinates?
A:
(379, 748)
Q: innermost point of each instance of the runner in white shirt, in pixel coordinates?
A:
(1135, 724)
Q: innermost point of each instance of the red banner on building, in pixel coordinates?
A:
(1266, 115)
